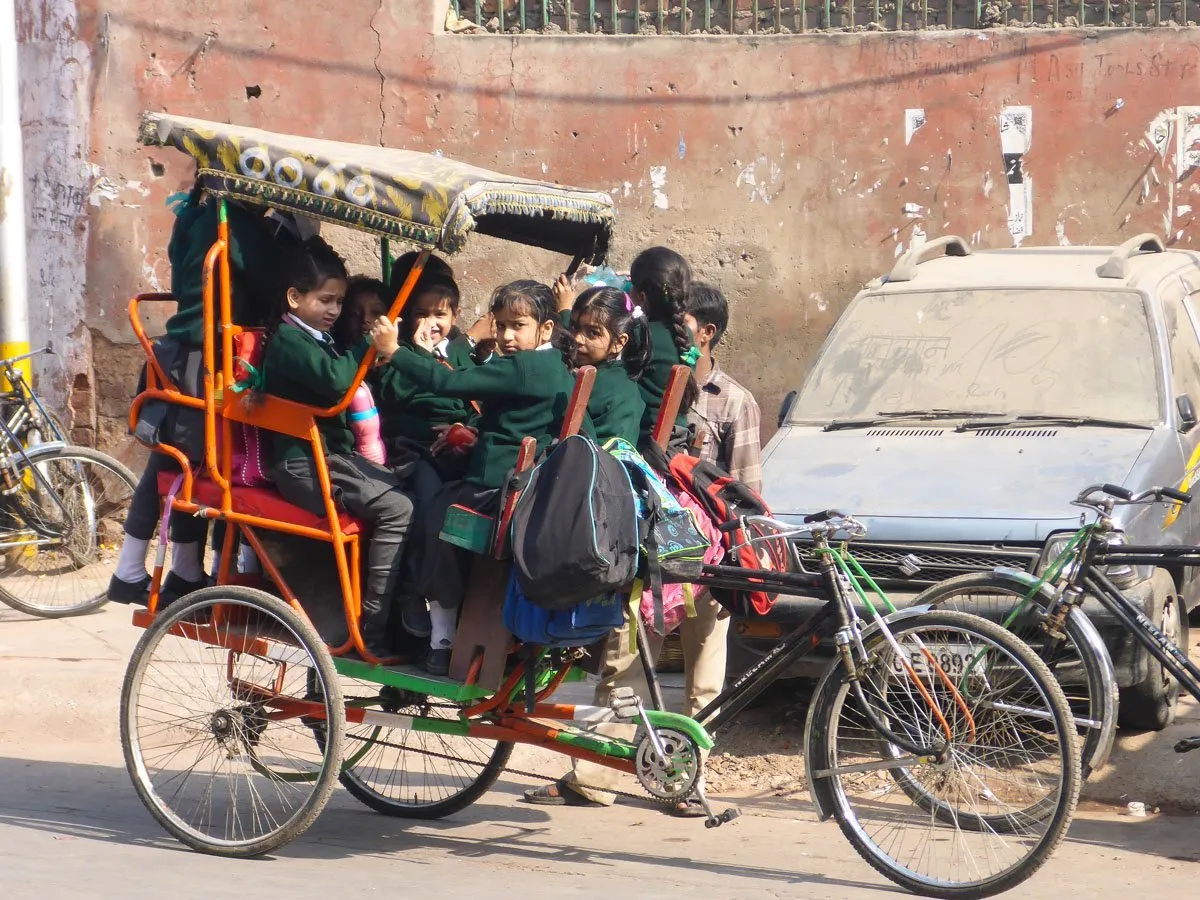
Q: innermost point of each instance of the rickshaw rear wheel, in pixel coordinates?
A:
(411, 774)
(216, 715)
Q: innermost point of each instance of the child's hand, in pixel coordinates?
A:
(564, 293)
(483, 329)
(443, 446)
(385, 337)
(423, 337)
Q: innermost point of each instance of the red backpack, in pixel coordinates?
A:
(727, 500)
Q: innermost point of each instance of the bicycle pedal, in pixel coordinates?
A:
(727, 816)
(1187, 745)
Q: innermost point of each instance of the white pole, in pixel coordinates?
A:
(14, 278)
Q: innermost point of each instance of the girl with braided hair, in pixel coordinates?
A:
(660, 281)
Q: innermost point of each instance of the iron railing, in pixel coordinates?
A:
(728, 17)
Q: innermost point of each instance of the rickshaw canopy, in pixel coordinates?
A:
(420, 198)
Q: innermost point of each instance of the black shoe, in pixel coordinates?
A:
(437, 662)
(133, 593)
(174, 587)
(414, 617)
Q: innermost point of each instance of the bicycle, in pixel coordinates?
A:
(1047, 611)
(62, 509)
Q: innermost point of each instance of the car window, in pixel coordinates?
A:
(1050, 352)
(1181, 336)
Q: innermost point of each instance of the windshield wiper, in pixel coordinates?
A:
(1047, 419)
(918, 414)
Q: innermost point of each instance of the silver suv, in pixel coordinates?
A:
(963, 400)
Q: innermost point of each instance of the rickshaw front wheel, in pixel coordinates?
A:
(216, 715)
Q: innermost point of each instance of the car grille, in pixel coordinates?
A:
(937, 561)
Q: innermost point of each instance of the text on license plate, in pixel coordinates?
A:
(954, 659)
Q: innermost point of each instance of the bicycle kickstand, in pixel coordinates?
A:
(1188, 744)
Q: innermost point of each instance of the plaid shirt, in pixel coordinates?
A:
(727, 421)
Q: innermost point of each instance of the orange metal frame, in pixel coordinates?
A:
(221, 409)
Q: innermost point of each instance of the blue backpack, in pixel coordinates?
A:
(576, 626)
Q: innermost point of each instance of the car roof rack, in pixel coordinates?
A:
(906, 266)
(1117, 265)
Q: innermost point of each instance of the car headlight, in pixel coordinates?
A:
(1057, 543)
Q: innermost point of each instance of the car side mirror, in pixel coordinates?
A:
(786, 407)
(1187, 413)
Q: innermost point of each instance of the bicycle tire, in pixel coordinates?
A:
(829, 780)
(1098, 703)
(67, 555)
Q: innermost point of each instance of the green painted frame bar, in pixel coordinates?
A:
(592, 16)
(410, 679)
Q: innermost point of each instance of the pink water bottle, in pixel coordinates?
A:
(364, 422)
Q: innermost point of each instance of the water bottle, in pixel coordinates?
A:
(364, 422)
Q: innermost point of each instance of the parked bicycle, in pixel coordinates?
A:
(62, 509)
(1047, 611)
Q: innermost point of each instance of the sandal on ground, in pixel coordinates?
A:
(557, 793)
(690, 808)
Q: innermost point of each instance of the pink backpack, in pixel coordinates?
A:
(250, 467)
(676, 597)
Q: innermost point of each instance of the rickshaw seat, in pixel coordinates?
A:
(254, 501)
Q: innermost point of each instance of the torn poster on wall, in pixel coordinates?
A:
(1016, 135)
(914, 120)
(1187, 136)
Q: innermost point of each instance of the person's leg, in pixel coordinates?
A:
(425, 484)
(622, 668)
(130, 581)
(705, 644)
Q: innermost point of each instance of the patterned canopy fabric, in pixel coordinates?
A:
(420, 198)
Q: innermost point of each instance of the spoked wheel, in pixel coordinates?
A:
(410, 773)
(988, 813)
(216, 721)
(1080, 663)
(61, 527)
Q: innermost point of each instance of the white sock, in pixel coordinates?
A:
(248, 560)
(443, 621)
(185, 561)
(131, 563)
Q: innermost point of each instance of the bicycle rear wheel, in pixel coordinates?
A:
(990, 815)
(61, 526)
(1080, 662)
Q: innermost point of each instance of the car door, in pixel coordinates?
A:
(1181, 316)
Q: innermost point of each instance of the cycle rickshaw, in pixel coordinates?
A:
(941, 744)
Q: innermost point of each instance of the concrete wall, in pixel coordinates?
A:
(780, 166)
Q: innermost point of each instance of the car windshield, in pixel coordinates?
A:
(1012, 352)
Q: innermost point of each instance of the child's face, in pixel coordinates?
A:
(436, 309)
(594, 343)
(363, 310)
(518, 329)
(320, 307)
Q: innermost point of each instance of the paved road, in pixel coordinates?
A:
(71, 826)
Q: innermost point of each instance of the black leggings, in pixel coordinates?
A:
(145, 508)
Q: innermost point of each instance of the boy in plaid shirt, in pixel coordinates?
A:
(726, 415)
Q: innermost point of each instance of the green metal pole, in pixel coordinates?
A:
(385, 259)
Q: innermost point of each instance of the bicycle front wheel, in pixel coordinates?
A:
(61, 526)
(989, 812)
(1080, 661)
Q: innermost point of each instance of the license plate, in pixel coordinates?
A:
(953, 659)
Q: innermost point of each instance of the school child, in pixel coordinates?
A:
(660, 280)
(610, 333)
(257, 244)
(302, 363)
(416, 420)
(523, 392)
(365, 302)
(725, 413)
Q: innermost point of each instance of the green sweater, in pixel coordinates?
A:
(256, 259)
(616, 404)
(408, 410)
(525, 394)
(653, 383)
(296, 368)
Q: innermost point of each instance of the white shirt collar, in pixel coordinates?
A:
(320, 336)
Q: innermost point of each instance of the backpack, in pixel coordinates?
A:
(727, 500)
(576, 626)
(250, 467)
(575, 527)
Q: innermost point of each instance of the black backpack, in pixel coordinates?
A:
(575, 527)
